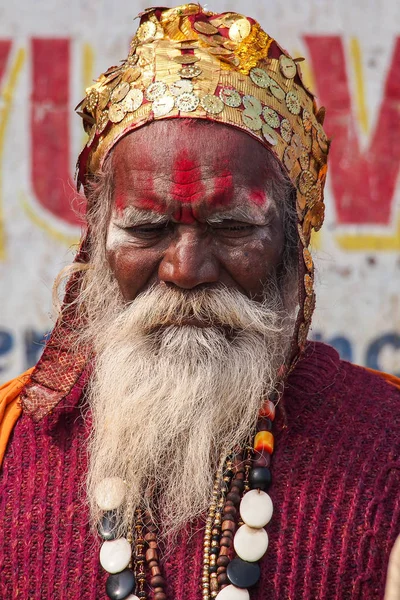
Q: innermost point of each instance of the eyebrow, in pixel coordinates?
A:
(135, 217)
(132, 216)
(236, 214)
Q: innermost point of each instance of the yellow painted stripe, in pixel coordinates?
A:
(37, 220)
(87, 74)
(362, 112)
(370, 242)
(7, 96)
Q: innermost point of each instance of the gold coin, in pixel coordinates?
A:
(293, 103)
(250, 102)
(269, 134)
(116, 113)
(111, 70)
(230, 60)
(322, 139)
(296, 144)
(230, 18)
(133, 100)
(308, 284)
(113, 80)
(162, 106)
(186, 59)
(132, 59)
(190, 71)
(251, 119)
(104, 98)
(120, 91)
(286, 130)
(309, 305)
(92, 98)
(212, 104)
(271, 117)
(230, 97)
(102, 121)
(220, 51)
(239, 30)
(131, 74)
(314, 195)
(306, 181)
(308, 261)
(287, 66)
(304, 159)
(289, 158)
(210, 41)
(155, 90)
(276, 90)
(307, 122)
(189, 45)
(146, 31)
(187, 102)
(181, 86)
(204, 27)
(91, 135)
(260, 77)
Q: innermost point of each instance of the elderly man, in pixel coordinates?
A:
(137, 453)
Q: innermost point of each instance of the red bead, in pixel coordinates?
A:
(261, 459)
(268, 410)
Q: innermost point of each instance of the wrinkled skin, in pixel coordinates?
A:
(191, 210)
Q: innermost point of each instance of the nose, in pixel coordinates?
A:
(188, 261)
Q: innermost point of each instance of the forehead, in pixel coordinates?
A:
(190, 166)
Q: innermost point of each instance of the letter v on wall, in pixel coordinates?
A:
(363, 183)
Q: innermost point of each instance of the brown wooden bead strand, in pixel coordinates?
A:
(230, 516)
(139, 565)
(157, 581)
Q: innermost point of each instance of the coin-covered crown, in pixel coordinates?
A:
(188, 62)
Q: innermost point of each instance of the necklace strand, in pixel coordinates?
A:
(235, 524)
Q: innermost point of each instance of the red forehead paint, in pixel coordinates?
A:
(258, 196)
(223, 185)
(187, 186)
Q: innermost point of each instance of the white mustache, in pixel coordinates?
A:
(218, 307)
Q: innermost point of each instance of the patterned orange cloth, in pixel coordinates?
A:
(10, 408)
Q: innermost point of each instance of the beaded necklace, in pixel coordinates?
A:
(235, 538)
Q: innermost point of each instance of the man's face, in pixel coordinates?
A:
(191, 210)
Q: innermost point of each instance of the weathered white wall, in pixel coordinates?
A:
(359, 261)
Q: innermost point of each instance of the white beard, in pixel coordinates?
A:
(169, 400)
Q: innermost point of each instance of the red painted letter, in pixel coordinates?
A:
(363, 183)
(50, 114)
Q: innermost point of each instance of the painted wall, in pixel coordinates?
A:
(51, 50)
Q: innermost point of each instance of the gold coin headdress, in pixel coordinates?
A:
(187, 62)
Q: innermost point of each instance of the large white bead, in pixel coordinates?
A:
(256, 508)
(231, 592)
(131, 597)
(115, 555)
(250, 544)
(110, 493)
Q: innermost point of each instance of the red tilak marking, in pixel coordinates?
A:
(187, 184)
(258, 197)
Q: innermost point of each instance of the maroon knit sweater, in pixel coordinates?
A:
(336, 488)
